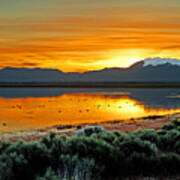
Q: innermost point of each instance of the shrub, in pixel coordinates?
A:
(167, 141)
(169, 164)
(89, 130)
(49, 175)
(137, 145)
(148, 135)
(94, 154)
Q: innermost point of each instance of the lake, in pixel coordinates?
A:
(34, 108)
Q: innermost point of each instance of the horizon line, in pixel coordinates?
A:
(114, 67)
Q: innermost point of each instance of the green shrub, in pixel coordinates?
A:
(137, 145)
(168, 141)
(169, 164)
(148, 135)
(94, 154)
(49, 175)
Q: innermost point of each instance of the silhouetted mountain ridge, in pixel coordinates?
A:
(149, 70)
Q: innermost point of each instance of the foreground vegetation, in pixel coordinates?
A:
(95, 154)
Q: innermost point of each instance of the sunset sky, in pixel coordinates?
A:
(81, 35)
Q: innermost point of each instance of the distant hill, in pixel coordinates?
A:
(149, 70)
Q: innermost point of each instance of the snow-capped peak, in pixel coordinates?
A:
(160, 61)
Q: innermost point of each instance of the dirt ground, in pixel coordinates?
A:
(130, 125)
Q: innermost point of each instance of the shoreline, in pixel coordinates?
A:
(151, 122)
(93, 85)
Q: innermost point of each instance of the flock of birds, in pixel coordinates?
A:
(20, 107)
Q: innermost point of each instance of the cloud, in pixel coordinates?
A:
(89, 34)
(172, 47)
(30, 64)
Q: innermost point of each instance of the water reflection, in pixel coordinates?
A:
(72, 108)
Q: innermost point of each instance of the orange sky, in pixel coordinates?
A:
(81, 35)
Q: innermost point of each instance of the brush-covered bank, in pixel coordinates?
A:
(94, 153)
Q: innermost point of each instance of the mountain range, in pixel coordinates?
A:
(148, 70)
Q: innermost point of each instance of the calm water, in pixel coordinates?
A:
(32, 108)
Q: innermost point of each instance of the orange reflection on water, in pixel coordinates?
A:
(32, 113)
